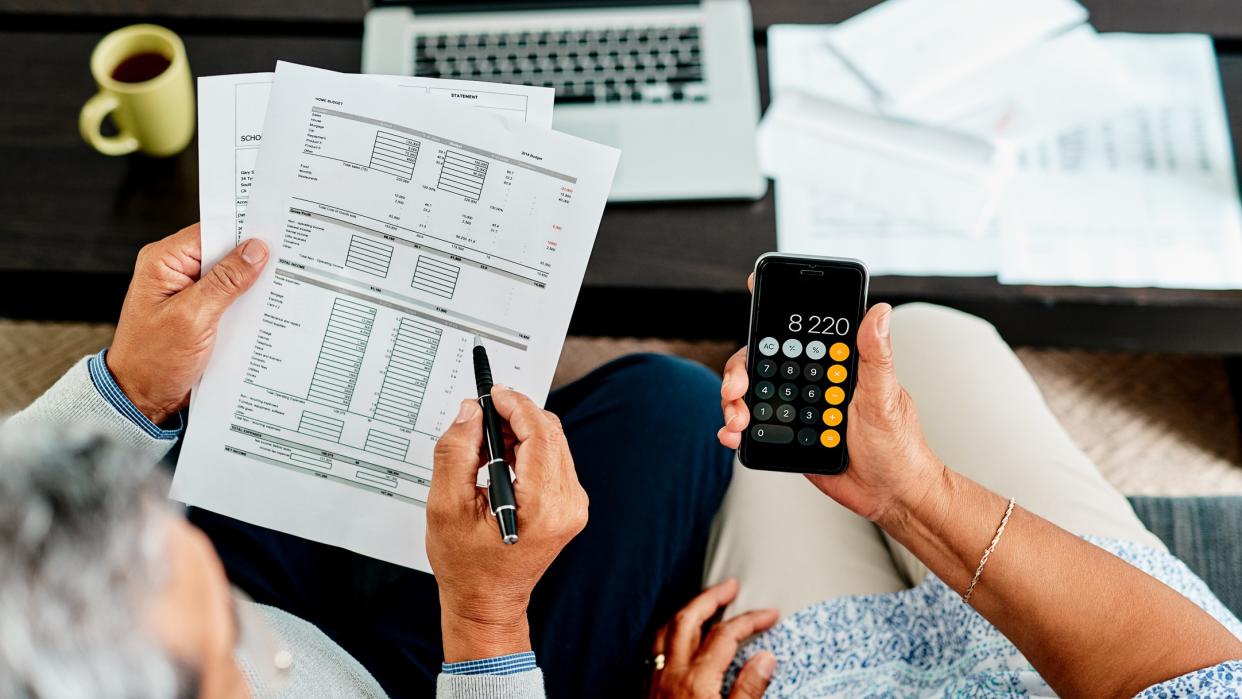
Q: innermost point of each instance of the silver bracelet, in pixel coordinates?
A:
(988, 552)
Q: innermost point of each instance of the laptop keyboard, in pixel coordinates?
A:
(640, 64)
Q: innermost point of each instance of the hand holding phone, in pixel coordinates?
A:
(800, 363)
(888, 456)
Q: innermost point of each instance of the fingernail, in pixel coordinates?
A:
(881, 328)
(467, 410)
(728, 381)
(254, 251)
(730, 413)
(499, 387)
(765, 665)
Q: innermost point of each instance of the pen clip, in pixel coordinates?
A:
(483, 477)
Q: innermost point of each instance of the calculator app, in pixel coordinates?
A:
(801, 362)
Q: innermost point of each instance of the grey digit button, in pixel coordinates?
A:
(808, 415)
(808, 437)
(810, 394)
(786, 413)
(765, 390)
(768, 346)
(816, 350)
(813, 372)
(792, 348)
(772, 434)
(790, 370)
(787, 391)
(762, 411)
(765, 368)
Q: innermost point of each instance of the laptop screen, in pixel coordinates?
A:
(491, 5)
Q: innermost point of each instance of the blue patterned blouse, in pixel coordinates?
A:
(926, 642)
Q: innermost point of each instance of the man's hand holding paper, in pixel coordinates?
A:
(400, 227)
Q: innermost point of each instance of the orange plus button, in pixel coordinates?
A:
(832, 417)
(839, 351)
(834, 395)
(837, 373)
(830, 438)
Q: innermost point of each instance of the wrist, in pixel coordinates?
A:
(923, 505)
(133, 390)
(468, 637)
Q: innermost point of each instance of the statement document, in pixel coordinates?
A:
(398, 231)
(230, 131)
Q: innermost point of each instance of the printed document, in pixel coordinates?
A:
(1065, 81)
(906, 49)
(1146, 198)
(398, 231)
(1062, 82)
(230, 124)
(1122, 173)
(1026, 96)
(918, 173)
(813, 221)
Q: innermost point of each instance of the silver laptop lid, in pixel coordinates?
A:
(510, 5)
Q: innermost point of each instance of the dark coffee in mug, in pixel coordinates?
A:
(140, 67)
(145, 88)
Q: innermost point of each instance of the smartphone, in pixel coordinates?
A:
(801, 360)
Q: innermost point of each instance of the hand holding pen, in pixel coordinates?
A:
(484, 583)
(500, 498)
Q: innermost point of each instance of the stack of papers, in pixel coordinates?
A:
(404, 216)
(1003, 138)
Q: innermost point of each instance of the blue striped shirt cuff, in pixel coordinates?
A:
(500, 665)
(112, 393)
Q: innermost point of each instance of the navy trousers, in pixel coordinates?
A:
(642, 430)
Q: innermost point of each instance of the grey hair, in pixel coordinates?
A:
(82, 525)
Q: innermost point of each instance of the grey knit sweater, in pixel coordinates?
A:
(320, 666)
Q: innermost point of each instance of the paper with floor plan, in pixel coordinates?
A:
(333, 377)
(1146, 198)
(230, 123)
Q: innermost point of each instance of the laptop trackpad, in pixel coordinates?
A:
(607, 134)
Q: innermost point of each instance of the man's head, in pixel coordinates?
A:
(104, 590)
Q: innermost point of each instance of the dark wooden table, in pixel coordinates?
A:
(71, 220)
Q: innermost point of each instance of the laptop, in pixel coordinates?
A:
(672, 84)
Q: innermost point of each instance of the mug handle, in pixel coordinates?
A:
(91, 119)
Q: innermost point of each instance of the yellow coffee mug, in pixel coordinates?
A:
(144, 83)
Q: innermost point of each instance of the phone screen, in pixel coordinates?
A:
(801, 361)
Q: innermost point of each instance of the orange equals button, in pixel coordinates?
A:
(830, 438)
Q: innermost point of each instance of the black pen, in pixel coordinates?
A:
(500, 499)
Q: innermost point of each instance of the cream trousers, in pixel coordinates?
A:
(791, 546)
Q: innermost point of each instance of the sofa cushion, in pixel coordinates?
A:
(1206, 533)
